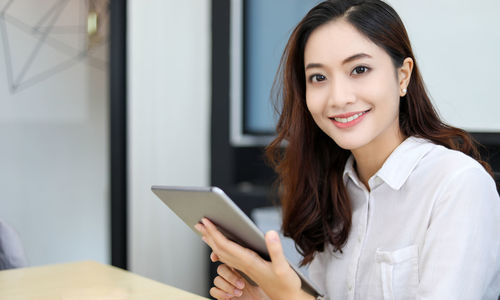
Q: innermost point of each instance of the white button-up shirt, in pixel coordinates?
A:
(428, 229)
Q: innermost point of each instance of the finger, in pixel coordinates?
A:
(219, 294)
(199, 227)
(214, 257)
(205, 236)
(229, 252)
(230, 276)
(210, 230)
(278, 259)
(216, 240)
(227, 287)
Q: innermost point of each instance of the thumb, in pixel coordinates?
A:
(275, 249)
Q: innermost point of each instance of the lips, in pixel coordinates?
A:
(347, 115)
(348, 119)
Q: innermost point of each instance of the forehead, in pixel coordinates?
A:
(336, 40)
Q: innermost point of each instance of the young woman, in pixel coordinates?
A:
(382, 198)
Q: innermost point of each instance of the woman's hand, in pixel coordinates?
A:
(276, 278)
(229, 284)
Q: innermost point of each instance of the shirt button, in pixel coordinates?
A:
(349, 287)
(359, 239)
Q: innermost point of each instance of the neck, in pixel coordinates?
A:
(370, 158)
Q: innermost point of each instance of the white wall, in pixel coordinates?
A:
(53, 142)
(168, 117)
(457, 44)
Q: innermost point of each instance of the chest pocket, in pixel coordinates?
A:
(398, 272)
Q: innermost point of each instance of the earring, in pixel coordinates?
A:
(404, 91)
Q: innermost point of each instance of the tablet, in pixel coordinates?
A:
(191, 204)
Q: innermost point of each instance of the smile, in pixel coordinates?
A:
(345, 120)
(348, 120)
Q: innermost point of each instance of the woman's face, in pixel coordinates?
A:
(352, 86)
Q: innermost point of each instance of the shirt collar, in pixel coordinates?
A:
(397, 167)
(349, 171)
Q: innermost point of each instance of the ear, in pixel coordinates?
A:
(404, 75)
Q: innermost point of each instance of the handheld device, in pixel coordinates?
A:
(191, 204)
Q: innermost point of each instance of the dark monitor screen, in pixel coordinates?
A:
(267, 27)
(260, 30)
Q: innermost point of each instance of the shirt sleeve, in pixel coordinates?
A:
(11, 250)
(460, 258)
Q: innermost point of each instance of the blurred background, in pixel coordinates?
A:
(100, 99)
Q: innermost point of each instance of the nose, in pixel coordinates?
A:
(340, 93)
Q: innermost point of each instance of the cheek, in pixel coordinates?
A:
(385, 95)
(388, 107)
(312, 104)
(377, 89)
(315, 101)
(382, 83)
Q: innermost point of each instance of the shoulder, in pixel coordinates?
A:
(446, 159)
(442, 161)
(455, 172)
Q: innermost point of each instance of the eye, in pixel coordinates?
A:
(317, 78)
(360, 70)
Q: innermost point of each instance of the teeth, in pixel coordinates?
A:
(346, 120)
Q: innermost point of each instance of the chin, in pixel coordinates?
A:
(348, 146)
(349, 143)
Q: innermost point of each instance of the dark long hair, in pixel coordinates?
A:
(316, 206)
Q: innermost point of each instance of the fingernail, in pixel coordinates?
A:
(198, 227)
(273, 236)
(204, 239)
(213, 257)
(240, 284)
(203, 221)
(229, 296)
(238, 293)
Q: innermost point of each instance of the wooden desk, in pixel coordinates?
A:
(83, 281)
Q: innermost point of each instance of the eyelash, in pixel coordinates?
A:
(360, 67)
(314, 78)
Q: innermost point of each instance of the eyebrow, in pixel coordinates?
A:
(347, 60)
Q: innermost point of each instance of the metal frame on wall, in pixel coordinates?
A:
(118, 131)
